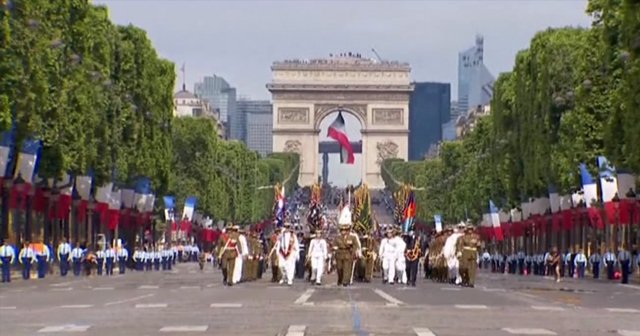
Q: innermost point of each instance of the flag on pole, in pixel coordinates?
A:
(409, 215)
(589, 186)
(338, 132)
(280, 208)
(609, 188)
(169, 208)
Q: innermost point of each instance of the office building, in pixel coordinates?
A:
(253, 124)
(429, 109)
(219, 94)
(186, 104)
(475, 82)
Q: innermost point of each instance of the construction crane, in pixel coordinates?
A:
(377, 55)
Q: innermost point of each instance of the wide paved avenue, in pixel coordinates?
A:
(187, 301)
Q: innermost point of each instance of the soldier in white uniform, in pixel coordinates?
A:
(287, 249)
(388, 254)
(318, 253)
(400, 261)
(244, 252)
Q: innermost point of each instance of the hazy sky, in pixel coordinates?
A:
(240, 39)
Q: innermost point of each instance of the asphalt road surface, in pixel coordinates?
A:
(189, 302)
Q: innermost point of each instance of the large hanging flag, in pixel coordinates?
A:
(338, 132)
(7, 140)
(589, 186)
(495, 222)
(409, 214)
(169, 208)
(609, 188)
(280, 208)
(143, 192)
(189, 208)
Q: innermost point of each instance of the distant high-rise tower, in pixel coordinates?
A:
(220, 95)
(254, 124)
(475, 82)
(429, 109)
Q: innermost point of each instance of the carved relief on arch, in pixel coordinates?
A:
(386, 150)
(322, 110)
(293, 146)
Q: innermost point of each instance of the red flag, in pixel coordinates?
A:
(596, 218)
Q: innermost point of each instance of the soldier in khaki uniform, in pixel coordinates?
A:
(273, 257)
(345, 248)
(228, 253)
(469, 244)
(369, 249)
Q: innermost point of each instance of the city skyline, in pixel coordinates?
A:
(243, 54)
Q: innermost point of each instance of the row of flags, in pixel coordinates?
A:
(617, 195)
(111, 203)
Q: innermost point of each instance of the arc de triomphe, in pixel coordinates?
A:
(376, 93)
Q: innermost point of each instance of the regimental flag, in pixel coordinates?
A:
(280, 208)
(338, 132)
(409, 214)
(189, 208)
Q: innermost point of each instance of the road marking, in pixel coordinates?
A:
(629, 286)
(102, 288)
(502, 290)
(623, 310)
(189, 287)
(76, 306)
(184, 329)
(128, 300)
(453, 289)
(8, 308)
(387, 297)
(64, 328)
(61, 289)
(61, 284)
(151, 305)
(471, 306)
(547, 308)
(226, 305)
(305, 296)
(423, 332)
(629, 332)
(148, 287)
(296, 330)
(528, 331)
(393, 305)
(308, 304)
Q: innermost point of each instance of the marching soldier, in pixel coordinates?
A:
(99, 261)
(369, 249)
(287, 250)
(7, 257)
(123, 256)
(228, 254)
(273, 257)
(76, 259)
(26, 258)
(412, 254)
(64, 255)
(318, 253)
(345, 249)
(109, 256)
(470, 243)
(387, 253)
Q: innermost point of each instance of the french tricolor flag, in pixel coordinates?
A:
(338, 132)
(115, 202)
(494, 215)
(65, 199)
(6, 145)
(103, 201)
(189, 208)
(127, 196)
(83, 189)
(27, 164)
(590, 195)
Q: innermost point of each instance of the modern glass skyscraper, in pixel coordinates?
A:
(256, 123)
(475, 82)
(219, 94)
(429, 109)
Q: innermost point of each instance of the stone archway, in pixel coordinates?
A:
(377, 94)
